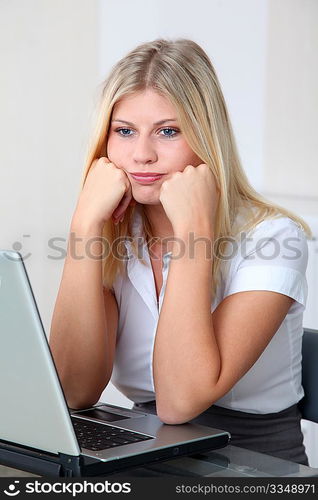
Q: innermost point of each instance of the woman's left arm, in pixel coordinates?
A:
(198, 355)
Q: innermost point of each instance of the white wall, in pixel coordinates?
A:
(290, 139)
(49, 61)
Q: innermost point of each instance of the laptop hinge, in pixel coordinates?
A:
(71, 465)
(39, 463)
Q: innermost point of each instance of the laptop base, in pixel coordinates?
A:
(49, 465)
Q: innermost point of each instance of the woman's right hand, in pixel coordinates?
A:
(106, 193)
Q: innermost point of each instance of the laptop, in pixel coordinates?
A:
(40, 434)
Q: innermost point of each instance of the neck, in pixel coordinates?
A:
(161, 225)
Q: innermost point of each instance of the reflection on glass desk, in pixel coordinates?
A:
(230, 461)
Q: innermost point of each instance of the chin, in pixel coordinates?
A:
(149, 202)
(150, 199)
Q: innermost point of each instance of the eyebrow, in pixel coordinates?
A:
(156, 123)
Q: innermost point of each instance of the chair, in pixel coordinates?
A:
(308, 405)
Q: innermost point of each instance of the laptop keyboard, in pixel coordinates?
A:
(96, 437)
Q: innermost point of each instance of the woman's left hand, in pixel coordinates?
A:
(190, 199)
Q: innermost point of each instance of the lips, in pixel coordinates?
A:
(146, 179)
(146, 174)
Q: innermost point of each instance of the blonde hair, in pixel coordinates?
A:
(182, 72)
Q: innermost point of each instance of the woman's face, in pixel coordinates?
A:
(138, 143)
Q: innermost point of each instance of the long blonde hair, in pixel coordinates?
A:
(181, 71)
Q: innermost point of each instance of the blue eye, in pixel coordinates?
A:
(121, 132)
(170, 130)
(121, 129)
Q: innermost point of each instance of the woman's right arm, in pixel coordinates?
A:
(85, 317)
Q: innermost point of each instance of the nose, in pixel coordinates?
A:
(144, 150)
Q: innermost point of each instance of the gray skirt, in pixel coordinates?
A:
(277, 434)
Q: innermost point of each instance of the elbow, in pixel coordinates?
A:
(168, 414)
(172, 419)
(83, 399)
(81, 395)
(175, 417)
(81, 403)
(187, 403)
(175, 414)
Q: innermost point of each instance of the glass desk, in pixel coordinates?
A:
(230, 461)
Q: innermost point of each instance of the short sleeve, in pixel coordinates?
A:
(273, 256)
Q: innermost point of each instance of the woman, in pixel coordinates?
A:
(186, 287)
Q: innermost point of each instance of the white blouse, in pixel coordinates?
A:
(272, 257)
